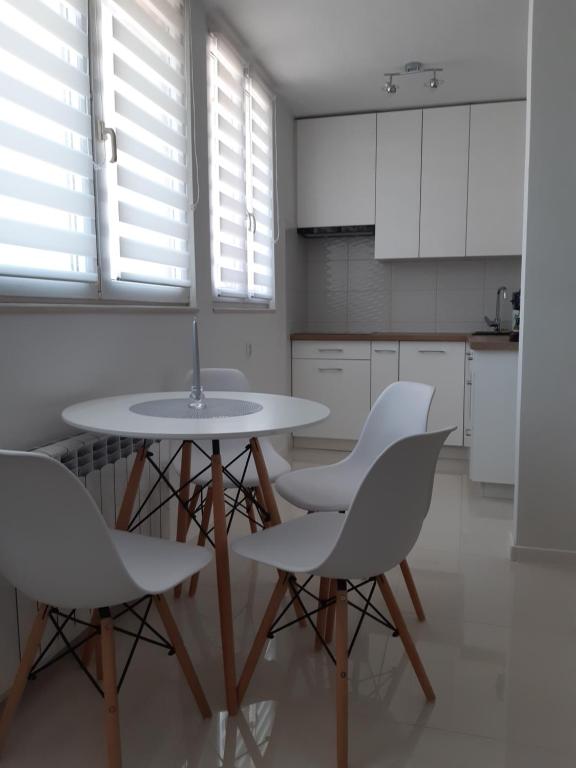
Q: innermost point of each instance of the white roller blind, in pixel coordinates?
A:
(146, 103)
(241, 178)
(47, 211)
(260, 190)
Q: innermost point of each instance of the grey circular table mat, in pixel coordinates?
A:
(179, 408)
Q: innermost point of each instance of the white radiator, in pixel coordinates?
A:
(102, 463)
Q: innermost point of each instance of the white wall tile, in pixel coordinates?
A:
(346, 286)
(414, 275)
(452, 306)
(461, 274)
(327, 274)
(370, 275)
(413, 306)
(370, 307)
(329, 306)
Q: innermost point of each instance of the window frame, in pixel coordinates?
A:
(231, 302)
(108, 290)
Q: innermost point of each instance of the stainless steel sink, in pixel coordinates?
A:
(491, 333)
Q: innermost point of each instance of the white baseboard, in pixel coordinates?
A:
(543, 555)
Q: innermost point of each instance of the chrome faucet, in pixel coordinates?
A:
(496, 324)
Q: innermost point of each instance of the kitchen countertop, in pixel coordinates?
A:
(385, 336)
(481, 343)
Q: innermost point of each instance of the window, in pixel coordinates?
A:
(94, 150)
(242, 159)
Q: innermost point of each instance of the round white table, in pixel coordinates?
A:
(122, 415)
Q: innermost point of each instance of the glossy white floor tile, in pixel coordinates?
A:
(499, 646)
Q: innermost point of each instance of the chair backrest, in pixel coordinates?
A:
(224, 380)
(54, 544)
(387, 512)
(400, 410)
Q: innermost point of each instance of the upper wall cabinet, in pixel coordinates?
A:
(444, 186)
(336, 170)
(398, 169)
(496, 179)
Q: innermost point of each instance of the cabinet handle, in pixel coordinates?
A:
(387, 351)
(330, 369)
(330, 349)
(432, 351)
(468, 432)
(469, 383)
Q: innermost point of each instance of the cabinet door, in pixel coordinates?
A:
(384, 369)
(398, 168)
(496, 179)
(336, 170)
(444, 182)
(342, 385)
(440, 364)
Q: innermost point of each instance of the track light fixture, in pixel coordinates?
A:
(413, 68)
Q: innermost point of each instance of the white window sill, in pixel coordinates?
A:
(242, 307)
(96, 306)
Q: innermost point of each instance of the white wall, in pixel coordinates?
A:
(546, 484)
(49, 359)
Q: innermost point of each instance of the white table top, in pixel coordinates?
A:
(112, 416)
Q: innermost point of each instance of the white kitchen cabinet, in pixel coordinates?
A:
(398, 169)
(496, 179)
(440, 364)
(468, 396)
(444, 185)
(493, 440)
(342, 385)
(335, 350)
(384, 367)
(336, 170)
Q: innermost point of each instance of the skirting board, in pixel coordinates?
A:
(543, 555)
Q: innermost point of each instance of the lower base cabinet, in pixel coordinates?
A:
(351, 380)
(440, 364)
(342, 385)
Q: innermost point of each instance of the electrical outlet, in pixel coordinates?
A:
(248, 349)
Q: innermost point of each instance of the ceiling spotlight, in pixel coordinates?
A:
(390, 87)
(434, 81)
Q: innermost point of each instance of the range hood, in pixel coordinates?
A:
(360, 229)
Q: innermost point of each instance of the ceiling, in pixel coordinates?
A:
(329, 56)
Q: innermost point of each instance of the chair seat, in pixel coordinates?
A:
(322, 489)
(297, 546)
(157, 565)
(229, 449)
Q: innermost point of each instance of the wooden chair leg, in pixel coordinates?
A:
(109, 687)
(413, 592)
(182, 654)
(19, 684)
(407, 642)
(262, 634)
(341, 675)
(321, 615)
(183, 499)
(250, 513)
(206, 512)
(330, 614)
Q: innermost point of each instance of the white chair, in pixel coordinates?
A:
(56, 548)
(226, 380)
(400, 410)
(380, 529)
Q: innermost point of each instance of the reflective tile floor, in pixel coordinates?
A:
(499, 645)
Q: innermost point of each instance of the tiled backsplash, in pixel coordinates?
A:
(348, 290)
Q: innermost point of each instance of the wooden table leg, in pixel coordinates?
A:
(266, 493)
(125, 513)
(183, 498)
(206, 512)
(223, 579)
